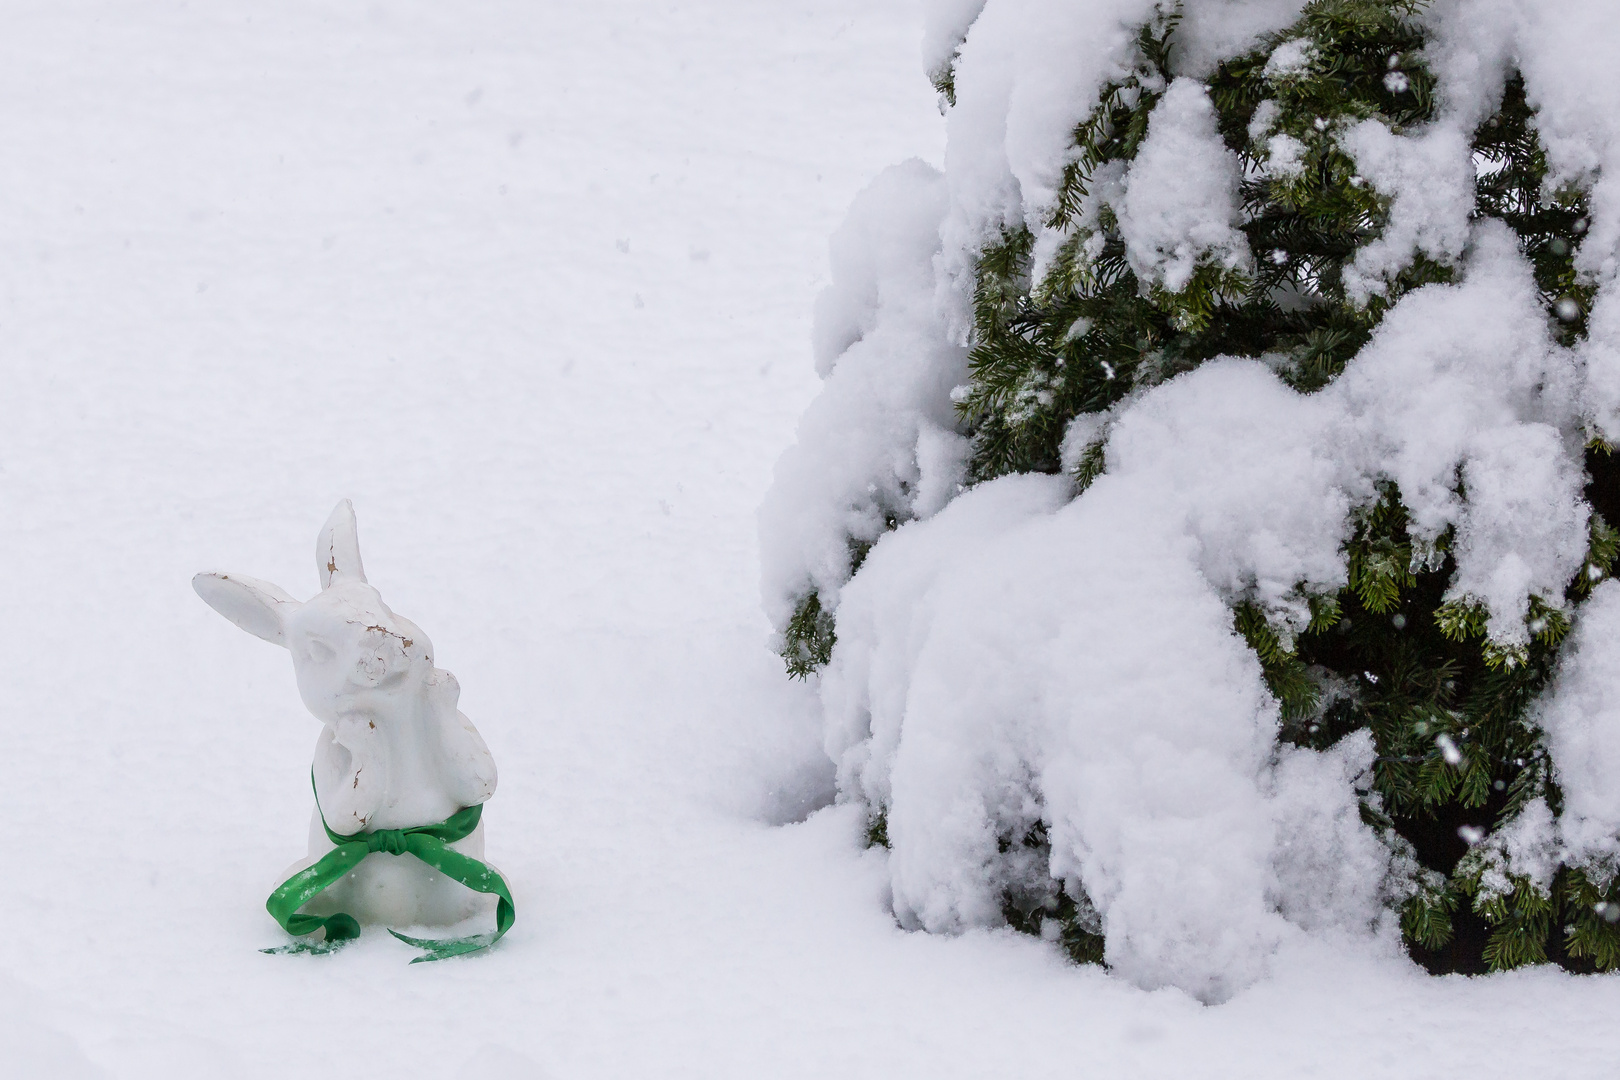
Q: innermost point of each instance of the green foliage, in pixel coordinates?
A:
(877, 829)
(1050, 911)
(1116, 126)
(811, 633)
(1426, 915)
(1079, 935)
(1520, 921)
(1592, 912)
(1085, 336)
(1380, 554)
(1521, 913)
(807, 643)
(1285, 674)
(1512, 186)
(1458, 751)
(944, 81)
(1602, 545)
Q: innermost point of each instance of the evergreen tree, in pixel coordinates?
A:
(1459, 754)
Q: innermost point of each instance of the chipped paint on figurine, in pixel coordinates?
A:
(394, 752)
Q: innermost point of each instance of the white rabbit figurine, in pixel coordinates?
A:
(394, 756)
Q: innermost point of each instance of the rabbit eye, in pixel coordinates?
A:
(318, 651)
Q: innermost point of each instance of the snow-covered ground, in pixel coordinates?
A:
(531, 284)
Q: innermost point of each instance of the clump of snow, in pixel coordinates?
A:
(1429, 179)
(1524, 851)
(1600, 365)
(1329, 868)
(1028, 72)
(1250, 467)
(1264, 119)
(992, 687)
(945, 24)
(880, 259)
(1083, 432)
(1524, 531)
(880, 436)
(1216, 30)
(1180, 208)
(1465, 378)
(1290, 60)
(1566, 50)
(942, 459)
(1581, 717)
(1469, 50)
(1285, 156)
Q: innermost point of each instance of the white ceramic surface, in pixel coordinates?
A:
(394, 750)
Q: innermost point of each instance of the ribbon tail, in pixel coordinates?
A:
(314, 948)
(476, 876)
(304, 886)
(444, 948)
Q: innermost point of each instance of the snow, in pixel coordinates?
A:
(1565, 46)
(1582, 720)
(1526, 847)
(877, 442)
(1331, 872)
(1429, 178)
(533, 286)
(1465, 377)
(1250, 470)
(1290, 60)
(945, 24)
(1285, 156)
(1213, 30)
(1180, 206)
(1025, 77)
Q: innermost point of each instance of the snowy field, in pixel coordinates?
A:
(531, 284)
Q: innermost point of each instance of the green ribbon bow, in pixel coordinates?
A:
(430, 843)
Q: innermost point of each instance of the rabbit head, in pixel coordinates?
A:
(350, 653)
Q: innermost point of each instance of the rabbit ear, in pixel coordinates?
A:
(337, 551)
(258, 607)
